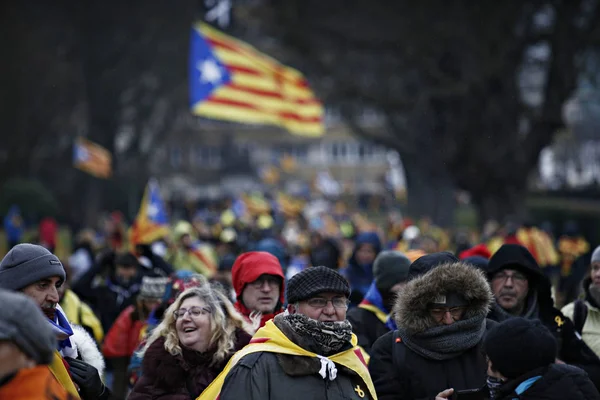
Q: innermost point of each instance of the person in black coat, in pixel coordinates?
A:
(521, 364)
(372, 319)
(521, 290)
(441, 319)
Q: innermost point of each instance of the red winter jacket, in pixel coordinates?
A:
(247, 268)
(124, 335)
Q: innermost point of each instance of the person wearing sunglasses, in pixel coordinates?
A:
(441, 318)
(308, 352)
(198, 335)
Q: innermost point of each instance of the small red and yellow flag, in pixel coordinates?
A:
(92, 158)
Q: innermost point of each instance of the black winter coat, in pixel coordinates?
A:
(270, 376)
(558, 382)
(400, 373)
(366, 326)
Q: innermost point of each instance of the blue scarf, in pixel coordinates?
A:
(373, 299)
(63, 331)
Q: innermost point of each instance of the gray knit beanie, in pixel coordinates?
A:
(28, 263)
(22, 322)
(596, 255)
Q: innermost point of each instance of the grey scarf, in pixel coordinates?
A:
(323, 338)
(532, 310)
(445, 341)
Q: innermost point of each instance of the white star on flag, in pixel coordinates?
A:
(152, 210)
(209, 71)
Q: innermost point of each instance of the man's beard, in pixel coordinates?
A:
(49, 309)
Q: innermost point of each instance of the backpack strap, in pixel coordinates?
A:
(580, 312)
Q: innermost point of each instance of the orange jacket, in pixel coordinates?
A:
(34, 384)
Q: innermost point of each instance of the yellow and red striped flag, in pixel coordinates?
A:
(231, 80)
(92, 158)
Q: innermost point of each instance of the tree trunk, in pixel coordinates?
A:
(429, 195)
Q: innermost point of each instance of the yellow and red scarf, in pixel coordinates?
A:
(270, 339)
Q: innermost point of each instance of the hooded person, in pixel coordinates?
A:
(111, 286)
(258, 282)
(27, 346)
(359, 271)
(372, 319)
(309, 352)
(521, 290)
(585, 313)
(441, 319)
(37, 273)
(521, 364)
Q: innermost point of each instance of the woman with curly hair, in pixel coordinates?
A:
(198, 335)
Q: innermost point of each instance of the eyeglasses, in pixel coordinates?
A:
(337, 302)
(440, 312)
(194, 312)
(270, 280)
(517, 277)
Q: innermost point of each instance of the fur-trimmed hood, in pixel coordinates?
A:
(410, 310)
(87, 349)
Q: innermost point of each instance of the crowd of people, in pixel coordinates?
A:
(324, 308)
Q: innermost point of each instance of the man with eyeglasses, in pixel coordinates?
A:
(309, 352)
(521, 290)
(76, 364)
(258, 282)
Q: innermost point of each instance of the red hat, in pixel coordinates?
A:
(480, 250)
(248, 267)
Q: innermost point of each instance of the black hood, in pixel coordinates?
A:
(514, 256)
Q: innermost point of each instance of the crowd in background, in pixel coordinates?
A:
(422, 304)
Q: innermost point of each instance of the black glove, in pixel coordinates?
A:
(87, 378)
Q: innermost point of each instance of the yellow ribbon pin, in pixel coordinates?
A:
(559, 321)
(359, 391)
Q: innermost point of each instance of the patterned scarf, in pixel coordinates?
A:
(324, 338)
(494, 384)
(445, 341)
(63, 331)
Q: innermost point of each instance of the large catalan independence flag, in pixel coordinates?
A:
(92, 158)
(231, 80)
(152, 222)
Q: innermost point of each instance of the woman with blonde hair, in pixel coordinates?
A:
(198, 335)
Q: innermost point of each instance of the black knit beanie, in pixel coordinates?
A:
(315, 280)
(518, 346)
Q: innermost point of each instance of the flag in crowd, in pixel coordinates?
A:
(92, 158)
(231, 80)
(152, 222)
